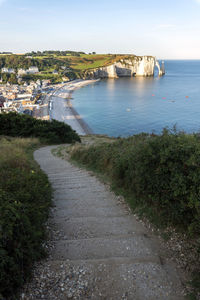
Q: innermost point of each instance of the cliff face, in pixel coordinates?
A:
(133, 66)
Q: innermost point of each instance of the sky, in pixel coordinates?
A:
(165, 29)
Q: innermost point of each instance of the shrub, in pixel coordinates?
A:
(13, 124)
(25, 198)
(158, 171)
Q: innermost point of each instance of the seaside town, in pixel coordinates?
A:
(25, 98)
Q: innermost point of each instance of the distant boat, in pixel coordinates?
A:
(128, 109)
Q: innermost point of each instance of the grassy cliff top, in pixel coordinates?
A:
(67, 64)
(78, 62)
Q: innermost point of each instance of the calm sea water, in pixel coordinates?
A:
(126, 106)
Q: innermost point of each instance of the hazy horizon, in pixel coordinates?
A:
(167, 30)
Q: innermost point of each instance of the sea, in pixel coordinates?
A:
(127, 106)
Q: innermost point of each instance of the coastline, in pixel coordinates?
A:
(62, 109)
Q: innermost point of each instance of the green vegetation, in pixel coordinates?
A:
(159, 174)
(25, 198)
(11, 78)
(43, 76)
(68, 63)
(54, 53)
(16, 125)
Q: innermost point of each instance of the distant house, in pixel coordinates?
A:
(33, 70)
(55, 72)
(22, 96)
(21, 72)
(38, 82)
(7, 104)
(45, 82)
(11, 96)
(7, 70)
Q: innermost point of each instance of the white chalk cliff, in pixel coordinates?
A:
(128, 67)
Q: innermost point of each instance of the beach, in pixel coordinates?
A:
(61, 108)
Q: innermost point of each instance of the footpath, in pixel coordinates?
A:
(99, 249)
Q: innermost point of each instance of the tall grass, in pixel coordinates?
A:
(25, 198)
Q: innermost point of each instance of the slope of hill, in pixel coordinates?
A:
(56, 64)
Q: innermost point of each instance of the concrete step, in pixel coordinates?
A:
(87, 211)
(117, 279)
(82, 194)
(93, 227)
(82, 203)
(136, 247)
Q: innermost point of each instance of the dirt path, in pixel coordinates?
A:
(100, 250)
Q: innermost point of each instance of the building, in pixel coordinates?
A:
(21, 72)
(7, 70)
(33, 70)
(45, 82)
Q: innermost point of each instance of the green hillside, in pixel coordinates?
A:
(67, 63)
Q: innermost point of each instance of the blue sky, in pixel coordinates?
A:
(166, 29)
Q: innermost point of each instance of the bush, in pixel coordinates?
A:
(25, 198)
(16, 125)
(158, 171)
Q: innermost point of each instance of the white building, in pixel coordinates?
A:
(21, 72)
(8, 70)
(22, 96)
(33, 70)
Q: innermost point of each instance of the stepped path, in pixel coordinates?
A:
(100, 250)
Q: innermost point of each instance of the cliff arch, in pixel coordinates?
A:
(161, 70)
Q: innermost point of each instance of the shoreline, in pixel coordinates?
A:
(86, 128)
(63, 109)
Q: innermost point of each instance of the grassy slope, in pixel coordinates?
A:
(85, 61)
(25, 198)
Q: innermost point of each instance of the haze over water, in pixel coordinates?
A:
(126, 106)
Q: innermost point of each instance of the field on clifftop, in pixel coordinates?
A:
(54, 65)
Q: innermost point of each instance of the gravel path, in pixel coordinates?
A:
(100, 250)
